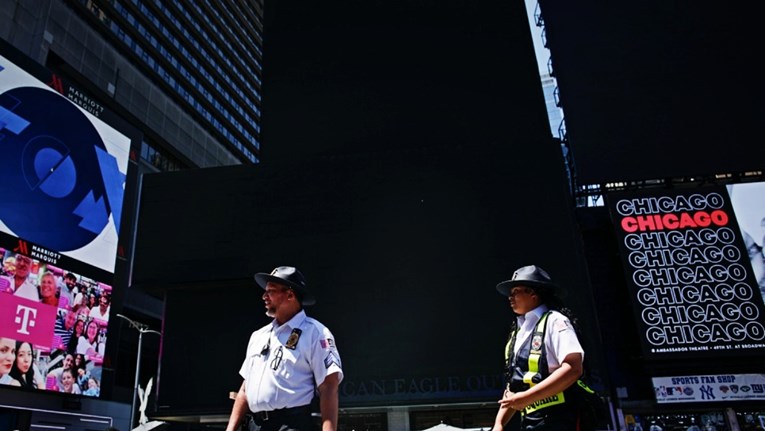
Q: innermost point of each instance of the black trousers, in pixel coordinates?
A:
(555, 418)
(297, 422)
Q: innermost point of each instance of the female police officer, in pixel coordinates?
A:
(543, 354)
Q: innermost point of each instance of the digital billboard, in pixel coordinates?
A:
(693, 268)
(62, 184)
(697, 388)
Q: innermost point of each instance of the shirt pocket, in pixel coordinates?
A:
(289, 364)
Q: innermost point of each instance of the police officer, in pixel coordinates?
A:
(543, 354)
(287, 362)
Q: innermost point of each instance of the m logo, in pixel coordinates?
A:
(22, 248)
(56, 84)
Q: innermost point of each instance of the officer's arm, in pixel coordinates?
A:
(239, 409)
(329, 402)
(504, 414)
(568, 373)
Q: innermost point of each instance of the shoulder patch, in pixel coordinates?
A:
(562, 325)
(331, 359)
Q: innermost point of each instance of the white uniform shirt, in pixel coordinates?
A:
(287, 377)
(560, 336)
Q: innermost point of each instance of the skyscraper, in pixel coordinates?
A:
(186, 75)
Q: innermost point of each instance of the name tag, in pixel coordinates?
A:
(546, 402)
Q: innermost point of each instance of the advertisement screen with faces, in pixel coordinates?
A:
(53, 326)
(63, 173)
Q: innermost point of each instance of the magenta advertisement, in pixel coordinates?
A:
(53, 326)
(694, 274)
(62, 184)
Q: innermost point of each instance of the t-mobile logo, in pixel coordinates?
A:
(25, 316)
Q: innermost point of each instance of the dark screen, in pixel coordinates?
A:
(655, 89)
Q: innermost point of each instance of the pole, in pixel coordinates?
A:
(141, 328)
(137, 374)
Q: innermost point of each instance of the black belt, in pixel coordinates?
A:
(281, 413)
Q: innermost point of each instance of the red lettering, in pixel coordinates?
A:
(670, 221)
(629, 224)
(702, 219)
(686, 220)
(646, 223)
(719, 217)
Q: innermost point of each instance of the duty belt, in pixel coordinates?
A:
(281, 413)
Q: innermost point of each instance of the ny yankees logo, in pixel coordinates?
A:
(707, 392)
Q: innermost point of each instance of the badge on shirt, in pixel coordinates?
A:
(536, 342)
(293, 339)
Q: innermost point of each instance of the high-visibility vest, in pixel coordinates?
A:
(521, 378)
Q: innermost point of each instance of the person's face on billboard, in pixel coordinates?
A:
(70, 282)
(47, 286)
(92, 331)
(68, 361)
(69, 320)
(9, 265)
(104, 302)
(7, 355)
(67, 380)
(79, 327)
(24, 357)
(22, 266)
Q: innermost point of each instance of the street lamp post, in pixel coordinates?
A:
(141, 328)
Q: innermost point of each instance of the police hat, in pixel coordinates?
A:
(288, 276)
(531, 276)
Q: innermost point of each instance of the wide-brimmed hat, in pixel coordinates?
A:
(290, 277)
(531, 276)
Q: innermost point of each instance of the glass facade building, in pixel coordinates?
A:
(185, 47)
(186, 75)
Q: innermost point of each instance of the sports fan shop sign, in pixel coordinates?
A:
(691, 282)
(706, 388)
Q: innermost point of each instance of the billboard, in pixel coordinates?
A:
(689, 267)
(62, 185)
(698, 388)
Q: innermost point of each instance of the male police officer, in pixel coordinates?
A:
(287, 361)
